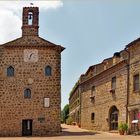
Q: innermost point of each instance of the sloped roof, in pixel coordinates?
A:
(132, 43)
(107, 59)
(31, 41)
(91, 67)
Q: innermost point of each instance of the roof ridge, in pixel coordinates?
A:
(29, 41)
(48, 41)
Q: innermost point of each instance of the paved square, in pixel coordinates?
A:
(75, 133)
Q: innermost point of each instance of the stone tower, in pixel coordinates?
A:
(30, 82)
(30, 21)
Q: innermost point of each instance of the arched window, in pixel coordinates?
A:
(30, 18)
(48, 71)
(10, 71)
(113, 118)
(27, 93)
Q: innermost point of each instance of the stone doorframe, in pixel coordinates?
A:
(113, 118)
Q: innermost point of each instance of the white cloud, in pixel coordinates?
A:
(43, 5)
(11, 11)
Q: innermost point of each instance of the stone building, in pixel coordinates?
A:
(74, 104)
(30, 82)
(110, 91)
(133, 49)
(103, 94)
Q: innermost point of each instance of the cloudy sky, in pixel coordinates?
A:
(11, 12)
(90, 30)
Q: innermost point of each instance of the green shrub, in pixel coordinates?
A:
(123, 127)
(69, 121)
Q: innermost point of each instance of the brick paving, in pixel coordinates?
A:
(75, 133)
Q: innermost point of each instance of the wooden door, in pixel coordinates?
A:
(26, 127)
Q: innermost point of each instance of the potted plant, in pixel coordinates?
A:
(79, 125)
(123, 127)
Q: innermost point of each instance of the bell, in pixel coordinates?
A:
(30, 16)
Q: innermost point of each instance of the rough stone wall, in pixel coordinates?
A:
(134, 96)
(30, 29)
(134, 69)
(74, 105)
(104, 100)
(99, 68)
(13, 107)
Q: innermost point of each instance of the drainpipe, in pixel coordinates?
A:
(128, 82)
(80, 102)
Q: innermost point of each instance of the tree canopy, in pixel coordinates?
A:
(65, 113)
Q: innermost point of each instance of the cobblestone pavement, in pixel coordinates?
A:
(75, 133)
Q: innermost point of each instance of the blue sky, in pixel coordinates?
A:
(90, 30)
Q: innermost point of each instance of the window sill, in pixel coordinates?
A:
(10, 76)
(136, 91)
(92, 97)
(112, 91)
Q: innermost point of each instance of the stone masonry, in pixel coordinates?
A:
(104, 99)
(110, 91)
(29, 116)
(74, 104)
(134, 95)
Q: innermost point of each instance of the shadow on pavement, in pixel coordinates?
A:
(69, 133)
(63, 128)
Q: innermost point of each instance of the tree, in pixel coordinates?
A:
(65, 113)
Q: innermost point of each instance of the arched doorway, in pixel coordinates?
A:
(113, 114)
